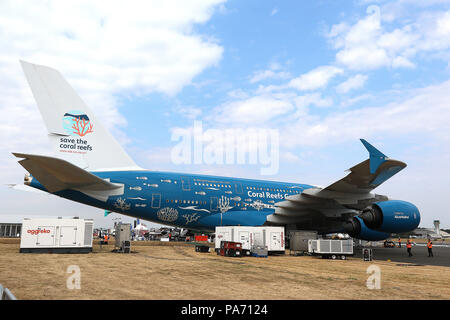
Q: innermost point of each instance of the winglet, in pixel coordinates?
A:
(376, 156)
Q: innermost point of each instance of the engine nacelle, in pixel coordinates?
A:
(357, 229)
(391, 216)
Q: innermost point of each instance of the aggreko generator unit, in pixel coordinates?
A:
(270, 237)
(57, 235)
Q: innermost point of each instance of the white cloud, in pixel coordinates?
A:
(368, 45)
(315, 79)
(312, 99)
(266, 109)
(189, 112)
(268, 74)
(402, 62)
(238, 94)
(357, 48)
(400, 9)
(105, 49)
(290, 157)
(352, 101)
(425, 112)
(355, 82)
(434, 28)
(256, 109)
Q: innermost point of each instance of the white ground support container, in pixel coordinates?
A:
(335, 249)
(271, 237)
(57, 235)
(123, 237)
(274, 239)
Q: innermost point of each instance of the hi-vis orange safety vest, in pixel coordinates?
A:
(430, 245)
(408, 245)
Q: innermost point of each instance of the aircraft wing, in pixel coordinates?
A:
(368, 174)
(345, 197)
(57, 175)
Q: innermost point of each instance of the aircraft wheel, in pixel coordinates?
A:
(333, 257)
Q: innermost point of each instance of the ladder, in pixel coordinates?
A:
(5, 294)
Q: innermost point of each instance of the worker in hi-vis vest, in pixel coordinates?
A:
(430, 248)
(408, 247)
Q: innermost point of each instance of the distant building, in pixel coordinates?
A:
(433, 233)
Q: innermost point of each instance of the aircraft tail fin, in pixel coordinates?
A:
(73, 129)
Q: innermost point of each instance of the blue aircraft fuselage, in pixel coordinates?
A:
(198, 202)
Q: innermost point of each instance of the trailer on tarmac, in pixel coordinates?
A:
(250, 237)
(334, 249)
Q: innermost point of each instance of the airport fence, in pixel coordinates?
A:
(5, 294)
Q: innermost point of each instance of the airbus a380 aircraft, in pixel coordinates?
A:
(92, 168)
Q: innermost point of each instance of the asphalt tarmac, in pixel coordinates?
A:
(419, 252)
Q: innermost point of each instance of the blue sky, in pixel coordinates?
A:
(322, 73)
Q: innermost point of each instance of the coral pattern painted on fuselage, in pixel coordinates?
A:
(195, 201)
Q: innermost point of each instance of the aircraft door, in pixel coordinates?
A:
(214, 203)
(185, 183)
(156, 200)
(238, 188)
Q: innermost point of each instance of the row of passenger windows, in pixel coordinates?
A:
(186, 202)
(248, 188)
(212, 185)
(196, 202)
(271, 189)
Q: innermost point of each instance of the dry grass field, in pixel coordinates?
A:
(178, 272)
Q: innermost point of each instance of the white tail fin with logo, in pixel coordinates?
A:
(73, 130)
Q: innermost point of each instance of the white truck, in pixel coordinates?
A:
(270, 237)
(57, 235)
(334, 249)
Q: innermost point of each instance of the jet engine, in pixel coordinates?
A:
(391, 216)
(357, 229)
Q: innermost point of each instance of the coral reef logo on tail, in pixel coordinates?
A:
(77, 126)
(77, 123)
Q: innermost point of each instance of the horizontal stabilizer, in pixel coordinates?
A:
(57, 175)
(23, 187)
